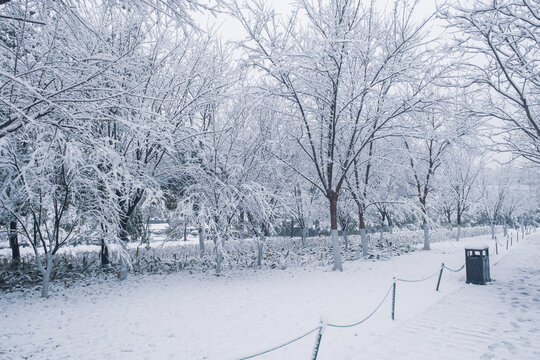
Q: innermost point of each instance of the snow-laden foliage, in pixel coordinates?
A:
(80, 263)
(339, 116)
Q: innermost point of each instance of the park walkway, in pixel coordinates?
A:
(500, 320)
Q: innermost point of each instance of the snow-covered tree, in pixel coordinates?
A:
(458, 182)
(495, 188)
(327, 69)
(426, 145)
(503, 37)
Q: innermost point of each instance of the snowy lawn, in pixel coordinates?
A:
(200, 316)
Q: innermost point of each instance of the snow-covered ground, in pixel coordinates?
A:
(200, 316)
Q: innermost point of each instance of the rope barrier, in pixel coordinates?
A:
(282, 345)
(367, 317)
(419, 280)
(456, 270)
(324, 324)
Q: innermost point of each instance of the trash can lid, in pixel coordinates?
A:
(477, 247)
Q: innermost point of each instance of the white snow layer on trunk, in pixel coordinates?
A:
(336, 251)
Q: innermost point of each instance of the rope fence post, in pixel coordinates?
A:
(394, 298)
(496, 247)
(440, 276)
(507, 243)
(319, 337)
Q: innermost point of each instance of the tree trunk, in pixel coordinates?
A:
(104, 253)
(492, 231)
(46, 275)
(332, 197)
(124, 236)
(304, 237)
(346, 239)
(219, 255)
(426, 236)
(185, 231)
(14, 244)
(458, 226)
(362, 227)
(201, 242)
(364, 242)
(147, 231)
(505, 229)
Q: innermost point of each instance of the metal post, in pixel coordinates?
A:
(440, 275)
(394, 299)
(319, 338)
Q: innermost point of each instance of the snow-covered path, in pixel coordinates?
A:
(497, 321)
(199, 316)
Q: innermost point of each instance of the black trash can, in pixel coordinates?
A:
(477, 265)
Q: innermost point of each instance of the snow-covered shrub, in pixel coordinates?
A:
(173, 256)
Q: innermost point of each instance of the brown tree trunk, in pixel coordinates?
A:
(14, 244)
(361, 221)
(333, 196)
(104, 253)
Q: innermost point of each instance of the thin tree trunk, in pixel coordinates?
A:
(426, 236)
(362, 227)
(219, 255)
(333, 196)
(505, 229)
(304, 237)
(458, 226)
(104, 253)
(124, 236)
(492, 231)
(201, 242)
(147, 231)
(14, 244)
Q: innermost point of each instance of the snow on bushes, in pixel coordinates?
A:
(76, 263)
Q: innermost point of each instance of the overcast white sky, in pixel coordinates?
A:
(229, 28)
